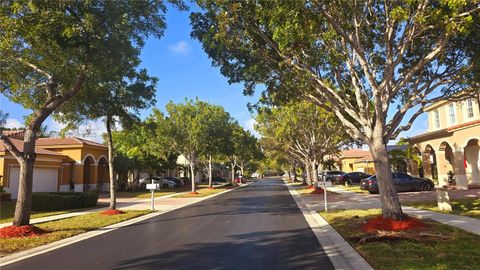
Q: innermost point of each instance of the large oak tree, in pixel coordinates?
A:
(52, 50)
(375, 64)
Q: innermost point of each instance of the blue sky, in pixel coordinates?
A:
(184, 70)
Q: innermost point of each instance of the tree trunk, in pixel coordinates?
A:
(391, 207)
(315, 174)
(113, 195)
(304, 176)
(242, 169)
(192, 171)
(233, 173)
(309, 175)
(210, 184)
(294, 173)
(23, 206)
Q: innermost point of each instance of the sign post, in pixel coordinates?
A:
(324, 186)
(152, 188)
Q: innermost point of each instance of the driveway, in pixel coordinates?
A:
(255, 227)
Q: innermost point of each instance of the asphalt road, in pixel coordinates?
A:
(255, 227)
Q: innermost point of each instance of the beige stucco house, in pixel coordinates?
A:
(451, 143)
(62, 164)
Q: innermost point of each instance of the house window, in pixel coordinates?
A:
(469, 108)
(451, 113)
(437, 119)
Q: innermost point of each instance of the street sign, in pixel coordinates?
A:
(325, 184)
(153, 186)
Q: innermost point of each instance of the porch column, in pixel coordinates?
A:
(78, 177)
(459, 168)
(443, 166)
(473, 164)
(94, 176)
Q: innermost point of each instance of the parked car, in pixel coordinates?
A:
(179, 182)
(164, 183)
(403, 182)
(330, 176)
(351, 178)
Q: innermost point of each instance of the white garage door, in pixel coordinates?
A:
(44, 179)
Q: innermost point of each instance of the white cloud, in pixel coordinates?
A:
(250, 125)
(13, 123)
(181, 47)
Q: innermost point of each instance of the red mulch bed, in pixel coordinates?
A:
(386, 224)
(317, 191)
(21, 231)
(210, 188)
(310, 187)
(193, 193)
(111, 212)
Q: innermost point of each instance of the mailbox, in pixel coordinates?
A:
(324, 184)
(153, 186)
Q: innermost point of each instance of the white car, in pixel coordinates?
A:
(164, 183)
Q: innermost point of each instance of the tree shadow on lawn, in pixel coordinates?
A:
(291, 249)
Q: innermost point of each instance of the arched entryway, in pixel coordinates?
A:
(472, 163)
(430, 163)
(446, 163)
(416, 162)
(88, 167)
(102, 174)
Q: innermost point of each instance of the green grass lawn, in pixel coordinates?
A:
(203, 191)
(146, 193)
(64, 228)
(355, 189)
(7, 211)
(460, 250)
(464, 207)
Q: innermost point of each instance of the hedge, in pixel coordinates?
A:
(54, 201)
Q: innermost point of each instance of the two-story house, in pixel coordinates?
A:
(451, 143)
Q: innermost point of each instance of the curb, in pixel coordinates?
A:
(340, 253)
(25, 254)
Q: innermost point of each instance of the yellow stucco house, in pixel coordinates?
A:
(356, 160)
(62, 164)
(451, 143)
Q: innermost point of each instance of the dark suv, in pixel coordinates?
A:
(402, 181)
(352, 178)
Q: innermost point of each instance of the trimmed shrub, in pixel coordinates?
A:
(55, 201)
(218, 179)
(4, 196)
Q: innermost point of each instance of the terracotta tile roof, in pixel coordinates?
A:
(19, 145)
(354, 153)
(66, 141)
(14, 133)
(368, 158)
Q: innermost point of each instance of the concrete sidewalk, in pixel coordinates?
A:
(351, 200)
(340, 253)
(162, 204)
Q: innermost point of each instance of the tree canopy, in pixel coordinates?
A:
(52, 50)
(374, 64)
